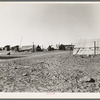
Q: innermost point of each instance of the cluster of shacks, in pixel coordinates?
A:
(82, 47)
(33, 48)
(8, 48)
(16, 48)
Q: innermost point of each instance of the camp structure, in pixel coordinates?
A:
(38, 48)
(87, 47)
(1, 48)
(6, 48)
(66, 47)
(15, 48)
(69, 47)
(50, 48)
(26, 48)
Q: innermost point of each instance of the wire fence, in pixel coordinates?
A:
(91, 46)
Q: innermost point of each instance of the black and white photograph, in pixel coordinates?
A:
(49, 47)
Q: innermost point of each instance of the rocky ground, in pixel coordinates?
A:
(56, 71)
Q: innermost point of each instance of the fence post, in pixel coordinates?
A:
(94, 47)
(33, 47)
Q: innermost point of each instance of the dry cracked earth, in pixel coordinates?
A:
(56, 71)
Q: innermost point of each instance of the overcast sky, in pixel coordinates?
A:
(48, 23)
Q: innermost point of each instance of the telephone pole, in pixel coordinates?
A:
(20, 41)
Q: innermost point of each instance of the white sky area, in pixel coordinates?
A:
(48, 23)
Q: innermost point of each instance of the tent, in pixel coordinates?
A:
(87, 47)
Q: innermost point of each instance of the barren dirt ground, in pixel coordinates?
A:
(56, 71)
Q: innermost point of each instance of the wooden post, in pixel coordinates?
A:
(33, 47)
(94, 47)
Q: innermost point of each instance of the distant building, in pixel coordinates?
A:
(66, 47)
(15, 48)
(69, 47)
(7, 48)
(50, 48)
(38, 48)
(1, 48)
(62, 47)
(26, 48)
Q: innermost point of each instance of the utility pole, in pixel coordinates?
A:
(20, 41)
(42, 47)
(94, 47)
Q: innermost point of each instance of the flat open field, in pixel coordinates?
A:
(55, 71)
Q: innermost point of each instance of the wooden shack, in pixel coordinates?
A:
(6, 48)
(15, 48)
(69, 47)
(28, 48)
(66, 47)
